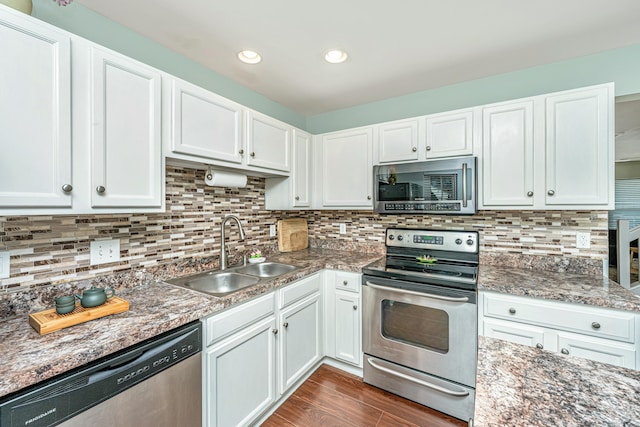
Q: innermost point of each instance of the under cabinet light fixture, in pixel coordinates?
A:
(249, 57)
(336, 56)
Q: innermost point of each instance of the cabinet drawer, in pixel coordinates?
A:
(299, 290)
(605, 351)
(348, 281)
(226, 323)
(594, 321)
(532, 336)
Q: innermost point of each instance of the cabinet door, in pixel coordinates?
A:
(126, 157)
(508, 162)
(347, 169)
(518, 333)
(579, 147)
(300, 342)
(449, 134)
(35, 115)
(205, 124)
(240, 375)
(398, 141)
(347, 327)
(301, 173)
(600, 350)
(268, 142)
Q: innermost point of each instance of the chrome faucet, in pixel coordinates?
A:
(223, 246)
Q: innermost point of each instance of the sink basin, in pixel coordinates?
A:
(267, 269)
(217, 283)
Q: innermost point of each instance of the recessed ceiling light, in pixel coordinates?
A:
(249, 57)
(335, 56)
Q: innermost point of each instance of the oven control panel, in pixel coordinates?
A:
(444, 240)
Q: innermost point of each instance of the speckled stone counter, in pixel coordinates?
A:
(155, 308)
(566, 287)
(523, 386)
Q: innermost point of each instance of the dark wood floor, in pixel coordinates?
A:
(331, 397)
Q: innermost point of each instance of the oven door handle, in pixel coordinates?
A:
(417, 381)
(405, 291)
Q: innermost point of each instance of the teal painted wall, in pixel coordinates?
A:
(82, 21)
(621, 66)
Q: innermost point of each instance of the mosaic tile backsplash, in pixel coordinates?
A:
(55, 249)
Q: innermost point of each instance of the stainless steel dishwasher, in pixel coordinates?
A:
(155, 383)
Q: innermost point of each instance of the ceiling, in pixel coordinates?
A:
(395, 47)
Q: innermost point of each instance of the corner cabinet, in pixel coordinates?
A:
(604, 335)
(346, 169)
(126, 156)
(268, 142)
(35, 114)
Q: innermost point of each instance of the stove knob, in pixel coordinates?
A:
(458, 241)
(391, 237)
(469, 242)
(400, 238)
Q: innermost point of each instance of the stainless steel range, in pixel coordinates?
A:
(420, 318)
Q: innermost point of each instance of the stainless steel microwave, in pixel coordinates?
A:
(444, 186)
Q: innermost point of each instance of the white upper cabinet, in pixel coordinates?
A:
(268, 142)
(507, 154)
(346, 169)
(579, 147)
(204, 124)
(35, 114)
(126, 141)
(398, 141)
(449, 134)
(301, 173)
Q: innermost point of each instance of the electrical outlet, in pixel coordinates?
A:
(583, 240)
(105, 251)
(272, 230)
(5, 265)
(343, 228)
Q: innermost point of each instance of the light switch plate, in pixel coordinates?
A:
(583, 240)
(104, 251)
(272, 230)
(343, 228)
(5, 266)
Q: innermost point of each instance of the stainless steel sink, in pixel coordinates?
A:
(216, 283)
(267, 269)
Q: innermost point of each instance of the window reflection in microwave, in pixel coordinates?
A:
(419, 326)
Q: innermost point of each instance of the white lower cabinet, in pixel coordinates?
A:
(603, 335)
(343, 315)
(258, 350)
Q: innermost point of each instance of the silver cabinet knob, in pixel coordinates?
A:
(67, 188)
(275, 331)
(297, 197)
(595, 325)
(414, 149)
(368, 197)
(209, 176)
(241, 152)
(564, 351)
(100, 189)
(285, 324)
(530, 193)
(551, 192)
(512, 310)
(355, 307)
(252, 154)
(540, 346)
(428, 148)
(345, 282)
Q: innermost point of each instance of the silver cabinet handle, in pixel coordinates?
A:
(512, 310)
(428, 148)
(252, 154)
(345, 282)
(530, 193)
(540, 346)
(406, 292)
(285, 324)
(595, 325)
(417, 381)
(464, 185)
(414, 149)
(564, 351)
(241, 152)
(275, 331)
(67, 188)
(100, 189)
(355, 307)
(551, 192)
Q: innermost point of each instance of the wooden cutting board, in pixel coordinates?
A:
(293, 234)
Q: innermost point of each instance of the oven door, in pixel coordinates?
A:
(427, 328)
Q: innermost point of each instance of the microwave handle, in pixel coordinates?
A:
(464, 185)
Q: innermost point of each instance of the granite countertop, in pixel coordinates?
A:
(566, 287)
(523, 386)
(155, 307)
